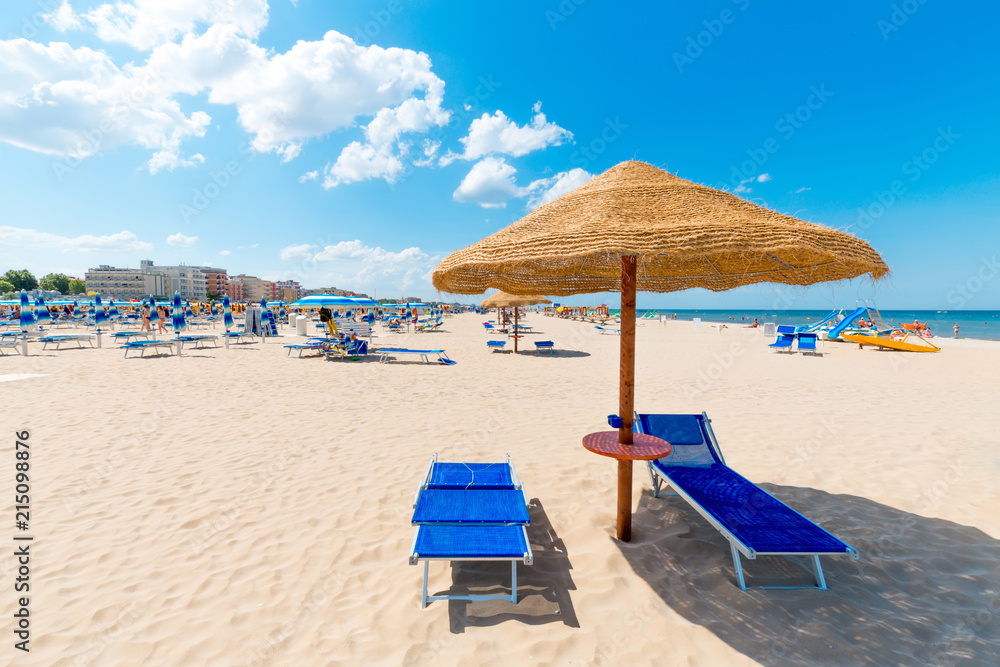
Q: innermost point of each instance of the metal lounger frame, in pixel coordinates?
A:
(71, 338)
(149, 344)
(527, 558)
(386, 357)
(736, 546)
(434, 459)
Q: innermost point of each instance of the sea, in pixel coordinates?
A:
(982, 324)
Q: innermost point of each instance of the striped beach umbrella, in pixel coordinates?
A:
(178, 315)
(27, 316)
(42, 315)
(113, 309)
(100, 317)
(153, 315)
(227, 314)
(189, 313)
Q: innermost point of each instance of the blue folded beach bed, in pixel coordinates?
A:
(470, 511)
(496, 345)
(318, 344)
(545, 346)
(753, 521)
(9, 342)
(606, 330)
(60, 339)
(198, 340)
(241, 337)
(385, 355)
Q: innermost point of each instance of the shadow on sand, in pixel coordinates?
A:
(925, 591)
(542, 588)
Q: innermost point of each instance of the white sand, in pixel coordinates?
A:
(237, 507)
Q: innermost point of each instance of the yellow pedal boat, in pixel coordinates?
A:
(897, 340)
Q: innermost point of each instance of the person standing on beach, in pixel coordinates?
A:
(146, 326)
(161, 322)
(956, 330)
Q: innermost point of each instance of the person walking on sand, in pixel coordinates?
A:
(161, 322)
(956, 330)
(146, 326)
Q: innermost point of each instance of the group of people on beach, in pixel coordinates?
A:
(161, 315)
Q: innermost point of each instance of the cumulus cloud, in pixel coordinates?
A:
(145, 24)
(490, 183)
(764, 178)
(123, 241)
(68, 101)
(181, 240)
(550, 189)
(354, 265)
(499, 135)
(309, 176)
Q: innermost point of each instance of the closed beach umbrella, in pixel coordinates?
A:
(153, 315)
(42, 314)
(188, 312)
(112, 309)
(27, 316)
(100, 317)
(227, 314)
(638, 227)
(177, 315)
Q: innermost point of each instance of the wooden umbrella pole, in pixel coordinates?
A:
(625, 395)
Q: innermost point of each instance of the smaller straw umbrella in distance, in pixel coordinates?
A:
(504, 300)
(638, 227)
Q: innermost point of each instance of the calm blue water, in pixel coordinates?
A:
(984, 324)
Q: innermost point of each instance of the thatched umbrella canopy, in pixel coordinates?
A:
(504, 300)
(638, 227)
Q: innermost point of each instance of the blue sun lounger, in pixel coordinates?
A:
(317, 344)
(753, 521)
(807, 343)
(385, 355)
(470, 511)
(60, 339)
(545, 347)
(496, 345)
(606, 330)
(143, 345)
(786, 336)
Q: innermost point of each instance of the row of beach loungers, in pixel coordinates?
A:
(787, 337)
(478, 511)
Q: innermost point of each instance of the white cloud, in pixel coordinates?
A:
(764, 178)
(550, 189)
(309, 176)
(181, 240)
(801, 190)
(490, 183)
(123, 241)
(356, 266)
(75, 102)
(225, 253)
(298, 252)
(499, 135)
(145, 24)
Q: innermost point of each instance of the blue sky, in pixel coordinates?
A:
(355, 144)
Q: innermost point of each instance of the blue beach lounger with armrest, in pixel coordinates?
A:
(545, 347)
(385, 355)
(753, 521)
(786, 336)
(470, 511)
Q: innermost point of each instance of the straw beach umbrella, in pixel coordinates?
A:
(504, 300)
(637, 227)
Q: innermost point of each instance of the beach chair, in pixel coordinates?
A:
(385, 355)
(318, 344)
(470, 512)
(144, 345)
(10, 343)
(786, 336)
(807, 343)
(492, 329)
(351, 349)
(61, 339)
(126, 336)
(240, 337)
(608, 331)
(753, 521)
(545, 347)
(496, 345)
(198, 340)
